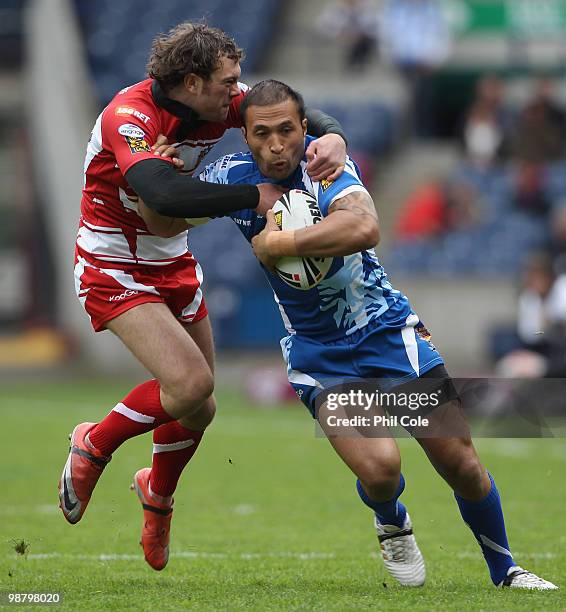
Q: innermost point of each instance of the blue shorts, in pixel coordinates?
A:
(391, 356)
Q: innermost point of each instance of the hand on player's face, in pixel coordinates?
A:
(326, 157)
(259, 242)
(162, 148)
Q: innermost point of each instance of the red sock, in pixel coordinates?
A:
(141, 411)
(173, 447)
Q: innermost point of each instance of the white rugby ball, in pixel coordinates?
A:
(295, 210)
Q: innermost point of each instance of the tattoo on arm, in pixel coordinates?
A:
(358, 203)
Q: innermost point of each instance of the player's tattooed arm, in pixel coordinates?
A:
(359, 203)
(350, 227)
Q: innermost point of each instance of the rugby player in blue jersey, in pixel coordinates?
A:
(354, 325)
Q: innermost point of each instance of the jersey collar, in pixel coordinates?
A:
(183, 112)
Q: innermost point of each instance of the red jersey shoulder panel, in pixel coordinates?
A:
(131, 123)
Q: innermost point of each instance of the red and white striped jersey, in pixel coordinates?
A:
(110, 227)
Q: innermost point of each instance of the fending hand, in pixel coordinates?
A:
(326, 157)
(162, 148)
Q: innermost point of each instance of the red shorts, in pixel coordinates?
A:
(106, 291)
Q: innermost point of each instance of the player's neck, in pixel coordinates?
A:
(173, 102)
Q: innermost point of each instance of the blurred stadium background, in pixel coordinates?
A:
(458, 126)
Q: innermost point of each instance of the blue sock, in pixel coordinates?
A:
(391, 512)
(485, 519)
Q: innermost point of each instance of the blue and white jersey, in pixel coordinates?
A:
(355, 291)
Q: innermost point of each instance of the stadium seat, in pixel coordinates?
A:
(555, 181)
(371, 126)
(125, 30)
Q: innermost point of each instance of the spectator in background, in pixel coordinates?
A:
(486, 126)
(539, 135)
(557, 227)
(541, 324)
(353, 23)
(538, 139)
(415, 35)
(436, 208)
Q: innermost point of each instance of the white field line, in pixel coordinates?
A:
(49, 404)
(240, 510)
(300, 556)
(468, 554)
(187, 554)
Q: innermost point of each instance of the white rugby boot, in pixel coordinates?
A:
(518, 578)
(401, 555)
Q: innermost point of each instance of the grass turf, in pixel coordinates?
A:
(266, 517)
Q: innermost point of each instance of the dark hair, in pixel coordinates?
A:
(189, 48)
(268, 92)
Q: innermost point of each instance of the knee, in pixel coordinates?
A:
(465, 471)
(380, 476)
(201, 387)
(189, 392)
(202, 417)
(206, 412)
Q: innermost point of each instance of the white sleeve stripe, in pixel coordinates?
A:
(350, 168)
(347, 191)
(132, 414)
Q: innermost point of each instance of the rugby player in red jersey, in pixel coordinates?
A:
(145, 288)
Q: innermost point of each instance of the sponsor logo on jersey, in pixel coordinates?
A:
(127, 111)
(424, 334)
(325, 184)
(129, 129)
(122, 296)
(279, 218)
(137, 145)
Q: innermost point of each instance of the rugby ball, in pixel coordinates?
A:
(295, 210)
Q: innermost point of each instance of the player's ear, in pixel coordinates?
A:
(304, 126)
(193, 83)
(244, 133)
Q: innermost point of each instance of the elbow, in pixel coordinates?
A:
(368, 236)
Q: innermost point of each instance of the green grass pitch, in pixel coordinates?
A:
(266, 517)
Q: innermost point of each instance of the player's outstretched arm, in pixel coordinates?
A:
(168, 226)
(351, 226)
(171, 194)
